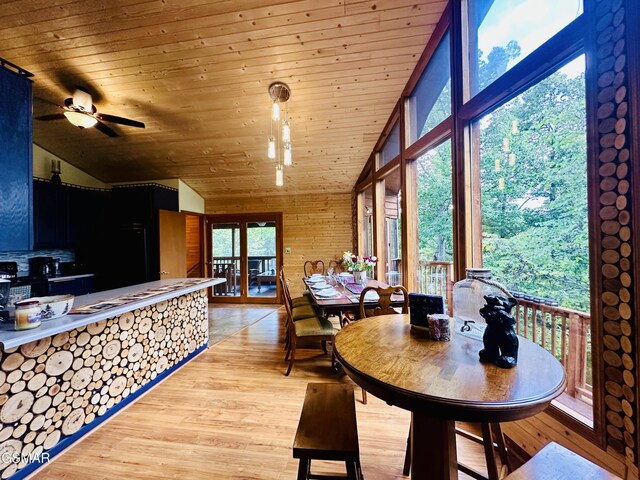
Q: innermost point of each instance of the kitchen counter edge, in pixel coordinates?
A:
(10, 338)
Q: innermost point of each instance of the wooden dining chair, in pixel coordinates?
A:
(313, 266)
(337, 265)
(312, 328)
(301, 307)
(383, 308)
(384, 303)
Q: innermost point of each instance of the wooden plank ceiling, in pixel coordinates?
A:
(197, 71)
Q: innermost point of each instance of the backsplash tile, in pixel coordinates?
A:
(23, 257)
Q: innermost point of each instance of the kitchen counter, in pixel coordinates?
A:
(9, 337)
(66, 278)
(66, 377)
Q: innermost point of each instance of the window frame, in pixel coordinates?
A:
(565, 45)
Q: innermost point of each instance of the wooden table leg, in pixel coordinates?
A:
(433, 448)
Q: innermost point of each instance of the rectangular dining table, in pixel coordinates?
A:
(349, 298)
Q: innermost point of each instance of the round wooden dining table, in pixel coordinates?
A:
(441, 382)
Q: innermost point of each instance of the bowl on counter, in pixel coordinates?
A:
(55, 306)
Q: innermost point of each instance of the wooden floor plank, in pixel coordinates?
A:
(232, 414)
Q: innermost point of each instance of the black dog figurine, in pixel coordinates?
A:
(500, 339)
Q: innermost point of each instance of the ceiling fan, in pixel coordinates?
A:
(81, 112)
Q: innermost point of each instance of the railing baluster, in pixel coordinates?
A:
(553, 335)
(564, 341)
(543, 317)
(534, 323)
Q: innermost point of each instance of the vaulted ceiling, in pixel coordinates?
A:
(197, 71)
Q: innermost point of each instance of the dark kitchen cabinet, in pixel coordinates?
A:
(135, 241)
(66, 216)
(16, 165)
(73, 286)
(51, 215)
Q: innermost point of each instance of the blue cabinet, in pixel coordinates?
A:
(71, 285)
(16, 165)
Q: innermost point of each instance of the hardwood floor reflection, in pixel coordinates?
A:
(232, 414)
(225, 320)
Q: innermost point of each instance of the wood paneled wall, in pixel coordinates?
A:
(314, 226)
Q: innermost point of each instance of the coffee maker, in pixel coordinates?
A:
(42, 267)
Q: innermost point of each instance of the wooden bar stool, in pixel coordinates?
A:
(555, 461)
(328, 430)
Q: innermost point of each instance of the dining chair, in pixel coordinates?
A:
(311, 328)
(313, 266)
(337, 265)
(383, 308)
(301, 307)
(384, 303)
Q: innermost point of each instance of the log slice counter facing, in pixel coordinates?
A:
(64, 378)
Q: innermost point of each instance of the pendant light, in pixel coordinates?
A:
(279, 145)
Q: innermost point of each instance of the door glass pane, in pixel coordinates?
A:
(391, 146)
(435, 222)
(506, 31)
(261, 261)
(430, 102)
(393, 229)
(225, 257)
(365, 222)
(535, 238)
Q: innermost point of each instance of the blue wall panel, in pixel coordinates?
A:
(16, 164)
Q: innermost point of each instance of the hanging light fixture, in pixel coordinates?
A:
(287, 154)
(279, 146)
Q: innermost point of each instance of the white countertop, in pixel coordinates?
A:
(67, 278)
(9, 337)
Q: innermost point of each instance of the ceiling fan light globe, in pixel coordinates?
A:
(80, 119)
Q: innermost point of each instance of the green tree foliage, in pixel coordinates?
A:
(534, 188)
(534, 192)
(435, 215)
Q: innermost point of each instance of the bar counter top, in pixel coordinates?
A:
(9, 337)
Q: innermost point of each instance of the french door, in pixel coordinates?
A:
(245, 250)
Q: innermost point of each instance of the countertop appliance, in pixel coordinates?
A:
(42, 267)
(9, 270)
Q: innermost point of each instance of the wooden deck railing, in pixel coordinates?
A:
(564, 332)
(436, 278)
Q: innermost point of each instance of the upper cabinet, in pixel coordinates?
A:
(16, 165)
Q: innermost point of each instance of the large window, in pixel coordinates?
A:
(391, 146)
(532, 183)
(435, 222)
(503, 32)
(534, 190)
(392, 255)
(365, 222)
(430, 102)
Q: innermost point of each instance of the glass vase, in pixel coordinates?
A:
(468, 299)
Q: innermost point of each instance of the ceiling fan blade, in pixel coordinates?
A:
(54, 116)
(106, 130)
(48, 102)
(120, 120)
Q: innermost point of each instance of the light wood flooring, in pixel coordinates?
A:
(232, 414)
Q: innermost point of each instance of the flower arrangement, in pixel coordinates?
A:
(355, 263)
